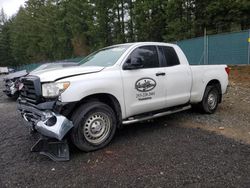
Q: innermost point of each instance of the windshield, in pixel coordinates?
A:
(105, 57)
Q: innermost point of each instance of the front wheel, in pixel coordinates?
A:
(94, 126)
(13, 96)
(210, 100)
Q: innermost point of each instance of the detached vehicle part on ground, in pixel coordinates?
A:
(12, 81)
(115, 86)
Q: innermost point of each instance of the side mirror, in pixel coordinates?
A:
(133, 63)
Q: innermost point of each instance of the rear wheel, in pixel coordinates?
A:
(210, 100)
(94, 126)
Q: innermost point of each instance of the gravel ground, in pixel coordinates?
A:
(185, 149)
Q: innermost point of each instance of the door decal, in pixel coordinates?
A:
(145, 84)
(145, 87)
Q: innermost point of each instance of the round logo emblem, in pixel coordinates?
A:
(145, 84)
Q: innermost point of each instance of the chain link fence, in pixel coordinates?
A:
(227, 48)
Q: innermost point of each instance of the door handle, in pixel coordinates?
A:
(160, 74)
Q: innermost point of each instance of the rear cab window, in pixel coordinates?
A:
(170, 56)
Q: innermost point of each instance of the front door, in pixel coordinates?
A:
(144, 89)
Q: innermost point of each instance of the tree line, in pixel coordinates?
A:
(48, 30)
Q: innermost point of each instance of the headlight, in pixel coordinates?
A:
(54, 89)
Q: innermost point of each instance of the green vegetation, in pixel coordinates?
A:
(47, 30)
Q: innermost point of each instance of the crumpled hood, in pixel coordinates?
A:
(55, 74)
(17, 74)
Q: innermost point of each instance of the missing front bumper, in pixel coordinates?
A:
(46, 122)
(52, 128)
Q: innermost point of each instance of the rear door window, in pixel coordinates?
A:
(170, 56)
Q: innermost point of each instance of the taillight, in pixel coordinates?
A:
(227, 69)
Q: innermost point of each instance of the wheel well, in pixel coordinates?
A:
(217, 84)
(108, 99)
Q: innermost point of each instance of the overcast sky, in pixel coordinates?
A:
(11, 7)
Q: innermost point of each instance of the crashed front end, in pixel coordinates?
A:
(43, 116)
(12, 83)
(11, 87)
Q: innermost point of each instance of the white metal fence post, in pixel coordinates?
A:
(248, 53)
(204, 48)
(207, 49)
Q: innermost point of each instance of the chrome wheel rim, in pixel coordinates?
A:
(212, 100)
(97, 128)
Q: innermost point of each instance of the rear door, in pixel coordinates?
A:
(144, 87)
(178, 79)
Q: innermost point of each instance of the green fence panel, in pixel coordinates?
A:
(193, 49)
(230, 49)
(28, 67)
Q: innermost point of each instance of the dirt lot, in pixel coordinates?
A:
(184, 149)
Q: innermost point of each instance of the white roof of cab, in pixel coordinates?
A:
(147, 43)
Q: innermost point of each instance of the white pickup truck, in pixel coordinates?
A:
(117, 85)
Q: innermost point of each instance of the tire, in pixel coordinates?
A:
(9, 95)
(15, 96)
(94, 126)
(210, 100)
